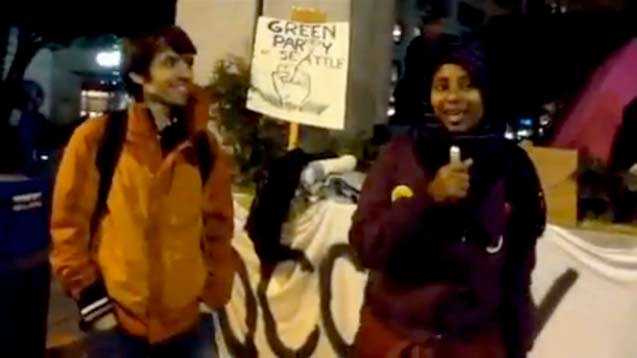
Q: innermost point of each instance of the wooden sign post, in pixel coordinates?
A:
(309, 15)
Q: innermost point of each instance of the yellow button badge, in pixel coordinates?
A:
(401, 192)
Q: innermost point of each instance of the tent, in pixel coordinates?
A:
(592, 122)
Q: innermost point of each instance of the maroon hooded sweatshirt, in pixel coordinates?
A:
(451, 272)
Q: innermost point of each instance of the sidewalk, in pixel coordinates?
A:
(65, 340)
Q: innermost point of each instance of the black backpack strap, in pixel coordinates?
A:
(205, 160)
(106, 159)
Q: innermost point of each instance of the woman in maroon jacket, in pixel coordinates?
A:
(447, 224)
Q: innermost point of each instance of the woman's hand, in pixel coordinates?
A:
(451, 183)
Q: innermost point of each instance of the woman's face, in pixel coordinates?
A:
(456, 101)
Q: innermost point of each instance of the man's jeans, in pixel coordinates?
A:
(197, 343)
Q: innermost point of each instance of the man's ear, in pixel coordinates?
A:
(136, 78)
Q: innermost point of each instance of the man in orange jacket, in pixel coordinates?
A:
(162, 245)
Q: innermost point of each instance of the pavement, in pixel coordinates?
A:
(64, 340)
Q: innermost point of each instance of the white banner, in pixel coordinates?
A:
(299, 72)
(586, 294)
(585, 285)
(296, 313)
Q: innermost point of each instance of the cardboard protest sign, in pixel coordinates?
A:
(299, 72)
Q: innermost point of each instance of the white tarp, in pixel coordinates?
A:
(594, 285)
(295, 310)
(587, 294)
(299, 72)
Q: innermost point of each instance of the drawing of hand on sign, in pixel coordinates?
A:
(292, 85)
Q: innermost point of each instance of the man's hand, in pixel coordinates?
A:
(451, 183)
(105, 323)
(633, 169)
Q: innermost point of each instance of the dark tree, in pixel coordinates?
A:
(42, 23)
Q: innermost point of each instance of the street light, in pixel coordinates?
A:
(109, 59)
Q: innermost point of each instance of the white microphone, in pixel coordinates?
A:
(455, 157)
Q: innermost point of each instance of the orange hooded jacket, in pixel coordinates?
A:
(163, 245)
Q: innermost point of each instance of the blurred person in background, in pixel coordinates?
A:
(623, 166)
(447, 223)
(30, 123)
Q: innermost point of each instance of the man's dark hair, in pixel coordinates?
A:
(139, 52)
